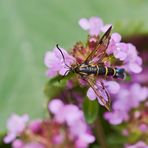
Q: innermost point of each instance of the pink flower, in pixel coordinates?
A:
(18, 143)
(143, 127)
(138, 92)
(74, 118)
(112, 86)
(116, 117)
(54, 62)
(15, 125)
(55, 106)
(133, 62)
(142, 77)
(93, 25)
(84, 140)
(33, 145)
(125, 52)
(65, 113)
(139, 144)
(35, 126)
(115, 38)
(120, 51)
(126, 99)
(58, 139)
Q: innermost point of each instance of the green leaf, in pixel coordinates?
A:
(90, 109)
(54, 84)
(57, 84)
(116, 140)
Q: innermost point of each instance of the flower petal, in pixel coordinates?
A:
(91, 94)
(135, 68)
(83, 22)
(112, 86)
(116, 37)
(55, 105)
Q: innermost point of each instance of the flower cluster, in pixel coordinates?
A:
(128, 98)
(125, 52)
(130, 111)
(117, 54)
(15, 125)
(53, 60)
(74, 118)
(67, 128)
(139, 144)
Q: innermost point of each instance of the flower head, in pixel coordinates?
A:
(55, 62)
(106, 50)
(139, 144)
(15, 125)
(126, 99)
(93, 25)
(74, 118)
(125, 52)
(69, 131)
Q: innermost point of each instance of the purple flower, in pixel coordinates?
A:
(74, 118)
(133, 62)
(115, 38)
(138, 92)
(18, 143)
(142, 77)
(58, 139)
(112, 86)
(116, 117)
(15, 125)
(126, 99)
(35, 126)
(65, 113)
(55, 106)
(143, 127)
(54, 61)
(139, 144)
(80, 132)
(135, 94)
(84, 140)
(33, 145)
(125, 52)
(93, 25)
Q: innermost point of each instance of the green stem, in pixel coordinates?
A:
(100, 133)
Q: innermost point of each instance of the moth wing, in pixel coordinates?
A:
(100, 49)
(100, 92)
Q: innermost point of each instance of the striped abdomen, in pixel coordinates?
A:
(102, 71)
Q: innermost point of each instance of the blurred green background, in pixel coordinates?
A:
(28, 28)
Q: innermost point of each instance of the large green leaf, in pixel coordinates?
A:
(29, 27)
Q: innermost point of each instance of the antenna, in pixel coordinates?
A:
(62, 56)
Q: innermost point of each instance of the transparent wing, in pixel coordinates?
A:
(100, 51)
(100, 92)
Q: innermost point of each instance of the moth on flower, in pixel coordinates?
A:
(97, 62)
(93, 66)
